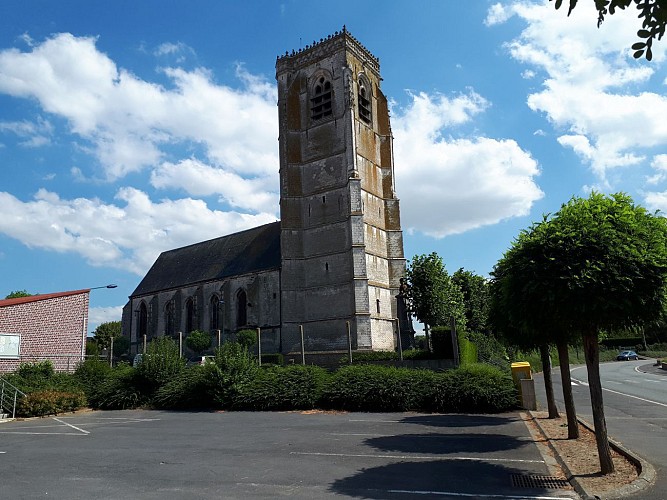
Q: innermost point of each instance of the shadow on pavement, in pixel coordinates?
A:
(431, 480)
(466, 420)
(435, 443)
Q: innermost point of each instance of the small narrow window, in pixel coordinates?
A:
(169, 318)
(364, 103)
(143, 320)
(377, 305)
(308, 209)
(320, 103)
(324, 199)
(189, 315)
(326, 266)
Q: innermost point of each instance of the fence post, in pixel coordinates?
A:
(180, 344)
(110, 355)
(455, 341)
(400, 342)
(144, 344)
(259, 345)
(218, 332)
(349, 341)
(303, 347)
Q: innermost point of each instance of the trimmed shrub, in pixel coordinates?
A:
(119, 391)
(189, 390)
(467, 351)
(293, 387)
(91, 373)
(246, 338)
(198, 341)
(474, 389)
(40, 376)
(50, 402)
(161, 364)
(232, 368)
(377, 388)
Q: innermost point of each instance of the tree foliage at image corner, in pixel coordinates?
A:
(652, 12)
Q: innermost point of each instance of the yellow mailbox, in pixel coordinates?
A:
(521, 370)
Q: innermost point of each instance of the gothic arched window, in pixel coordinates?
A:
(143, 321)
(189, 315)
(320, 102)
(214, 313)
(364, 101)
(169, 318)
(241, 309)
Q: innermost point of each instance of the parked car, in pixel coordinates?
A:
(626, 356)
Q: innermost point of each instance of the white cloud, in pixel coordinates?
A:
(131, 123)
(450, 186)
(127, 236)
(594, 92)
(198, 179)
(659, 164)
(34, 134)
(498, 14)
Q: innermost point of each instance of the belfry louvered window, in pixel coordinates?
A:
(364, 102)
(320, 102)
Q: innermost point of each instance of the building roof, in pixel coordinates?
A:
(254, 250)
(44, 296)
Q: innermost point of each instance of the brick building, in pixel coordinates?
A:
(335, 257)
(44, 327)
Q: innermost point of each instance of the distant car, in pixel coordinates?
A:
(199, 360)
(626, 356)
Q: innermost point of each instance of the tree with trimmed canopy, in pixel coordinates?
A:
(599, 263)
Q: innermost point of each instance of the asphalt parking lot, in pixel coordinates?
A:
(142, 454)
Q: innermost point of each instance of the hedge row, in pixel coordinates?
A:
(233, 380)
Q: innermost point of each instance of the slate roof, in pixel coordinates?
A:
(249, 251)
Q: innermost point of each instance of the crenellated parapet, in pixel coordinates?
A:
(303, 57)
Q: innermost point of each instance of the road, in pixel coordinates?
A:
(635, 401)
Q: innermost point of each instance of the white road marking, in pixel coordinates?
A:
(472, 495)
(630, 396)
(43, 433)
(72, 426)
(377, 421)
(418, 457)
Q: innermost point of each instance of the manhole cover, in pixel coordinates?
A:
(538, 481)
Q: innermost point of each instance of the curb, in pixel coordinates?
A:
(646, 477)
(647, 473)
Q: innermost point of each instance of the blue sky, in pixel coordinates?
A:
(130, 128)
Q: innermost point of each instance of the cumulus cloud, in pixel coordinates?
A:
(593, 91)
(498, 14)
(130, 123)
(128, 235)
(448, 185)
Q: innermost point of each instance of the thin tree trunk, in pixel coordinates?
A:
(566, 382)
(548, 386)
(591, 351)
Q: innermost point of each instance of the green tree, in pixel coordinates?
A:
(475, 291)
(17, 294)
(520, 317)
(198, 341)
(653, 12)
(600, 263)
(435, 298)
(105, 332)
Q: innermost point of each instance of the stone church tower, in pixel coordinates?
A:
(341, 240)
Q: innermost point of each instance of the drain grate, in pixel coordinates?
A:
(538, 481)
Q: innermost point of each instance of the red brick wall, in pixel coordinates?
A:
(53, 328)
